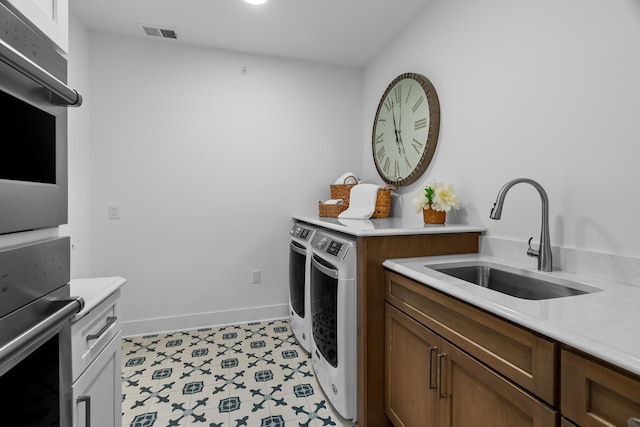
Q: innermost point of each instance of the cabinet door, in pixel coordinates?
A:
(593, 395)
(410, 377)
(473, 394)
(97, 394)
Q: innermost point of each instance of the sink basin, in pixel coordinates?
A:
(517, 284)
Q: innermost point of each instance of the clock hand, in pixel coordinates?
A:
(395, 127)
(400, 144)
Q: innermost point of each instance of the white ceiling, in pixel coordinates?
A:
(340, 32)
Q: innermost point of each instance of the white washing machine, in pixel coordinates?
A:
(333, 319)
(299, 282)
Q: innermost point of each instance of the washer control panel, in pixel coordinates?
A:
(301, 232)
(331, 245)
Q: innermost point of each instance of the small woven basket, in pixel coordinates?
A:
(331, 211)
(432, 216)
(383, 202)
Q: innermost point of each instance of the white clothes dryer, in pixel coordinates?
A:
(333, 319)
(299, 282)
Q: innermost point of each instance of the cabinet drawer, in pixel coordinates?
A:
(525, 358)
(592, 394)
(91, 333)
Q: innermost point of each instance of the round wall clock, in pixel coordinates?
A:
(405, 129)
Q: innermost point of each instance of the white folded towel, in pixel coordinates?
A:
(362, 202)
(334, 202)
(353, 180)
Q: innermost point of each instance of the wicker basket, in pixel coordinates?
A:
(382, 210)
(383, 202)
(331, 211)
(342, 191)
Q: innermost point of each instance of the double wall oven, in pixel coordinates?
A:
(35, 302)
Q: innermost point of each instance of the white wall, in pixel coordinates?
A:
(79, 149)
(207, 166)
(547, 90)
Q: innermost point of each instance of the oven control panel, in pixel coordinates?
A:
(330, 245)
(301, 232)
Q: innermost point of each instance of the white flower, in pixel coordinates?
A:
(444, 198)
(420, 202)
(438, 195)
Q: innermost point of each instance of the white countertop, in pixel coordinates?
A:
(94, 291)
(605, 324)
(386, 226)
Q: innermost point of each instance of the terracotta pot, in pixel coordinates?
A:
(434, 217)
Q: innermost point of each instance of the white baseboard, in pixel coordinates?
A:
(201, 320)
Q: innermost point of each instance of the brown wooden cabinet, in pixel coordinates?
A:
(431, 382)
(411, 397)
(372, 251)
(594, 394)
(451, 364)
(527, 359)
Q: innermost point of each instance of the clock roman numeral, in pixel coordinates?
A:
(379, 138)
(421, 123)
(409, 93)
(396, 167)
(388, 103)
(398, 93)
(387, 162)
(407, 162)
(417, 104)
(380, 153)
(417, 145)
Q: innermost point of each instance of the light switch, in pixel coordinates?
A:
(114, 212)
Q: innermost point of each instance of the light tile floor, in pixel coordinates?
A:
(253, 375)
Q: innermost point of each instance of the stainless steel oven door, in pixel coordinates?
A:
(33, 155)
(35, 373)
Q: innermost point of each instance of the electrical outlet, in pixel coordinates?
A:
(255, 276)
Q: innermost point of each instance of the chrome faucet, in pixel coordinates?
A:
(545, 262)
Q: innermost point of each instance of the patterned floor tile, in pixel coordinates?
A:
(253, 374)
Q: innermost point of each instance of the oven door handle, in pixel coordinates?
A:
(331, 272)
(24, 65)
(41, 331)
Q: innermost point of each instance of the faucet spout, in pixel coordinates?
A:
(545, 262)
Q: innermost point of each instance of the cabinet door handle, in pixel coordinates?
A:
(441, 357)
(87, 413)
(432, 350)
(633, 422)
(110, 321)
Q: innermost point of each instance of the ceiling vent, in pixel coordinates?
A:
(166, 33)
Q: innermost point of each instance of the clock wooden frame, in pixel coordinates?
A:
(432, 132)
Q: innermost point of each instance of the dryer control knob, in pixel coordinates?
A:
(322, 243)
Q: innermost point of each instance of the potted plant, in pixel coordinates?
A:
(435, 200)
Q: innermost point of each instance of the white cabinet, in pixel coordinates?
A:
(50, 17)
(96, 366)
(97, 394)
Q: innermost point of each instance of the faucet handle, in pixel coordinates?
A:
(532, 252)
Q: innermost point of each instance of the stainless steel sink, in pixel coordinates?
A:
(517, 284)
